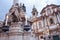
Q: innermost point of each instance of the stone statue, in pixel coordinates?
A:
(24, 8)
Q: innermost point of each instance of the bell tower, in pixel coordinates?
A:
(34, 12)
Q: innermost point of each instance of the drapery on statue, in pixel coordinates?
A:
(14, 18)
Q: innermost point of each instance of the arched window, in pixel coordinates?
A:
(49, 11)
(51, 21)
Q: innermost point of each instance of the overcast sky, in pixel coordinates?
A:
(5, 5)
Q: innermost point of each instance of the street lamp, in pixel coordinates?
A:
(26, 26)
(5, 27)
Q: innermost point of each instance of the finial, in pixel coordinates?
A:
(33, 6)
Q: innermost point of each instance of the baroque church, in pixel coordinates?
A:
(47, 26)
(17, 26)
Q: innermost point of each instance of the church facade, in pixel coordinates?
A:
(47, 26)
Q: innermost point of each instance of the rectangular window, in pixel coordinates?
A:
(40, 24)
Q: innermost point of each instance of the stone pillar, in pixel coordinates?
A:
(3, 36)
(15, 37)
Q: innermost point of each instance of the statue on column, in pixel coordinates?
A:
(24, 8)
